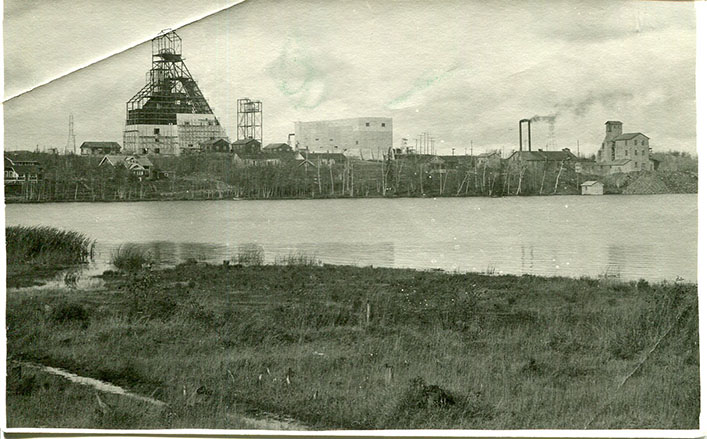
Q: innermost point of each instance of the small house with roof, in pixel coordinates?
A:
(20, 171)
(246, 146)
(277, 147)
(99, 148)
(592, 188)
(140, 166)
(215, 145)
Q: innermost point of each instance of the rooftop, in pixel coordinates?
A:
(628, 136)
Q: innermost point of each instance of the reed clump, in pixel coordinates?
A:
(47, 245)
(130, 257)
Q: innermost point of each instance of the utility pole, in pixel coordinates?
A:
(71, 141)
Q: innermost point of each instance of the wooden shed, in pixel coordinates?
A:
(592, 188)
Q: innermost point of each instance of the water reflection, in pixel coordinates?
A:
(550, 236)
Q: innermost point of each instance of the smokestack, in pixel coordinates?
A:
(520, 133)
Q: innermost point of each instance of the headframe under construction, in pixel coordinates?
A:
(169, 115)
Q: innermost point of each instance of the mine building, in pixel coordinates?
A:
(169, 114)
(623, 152)
(362, 137)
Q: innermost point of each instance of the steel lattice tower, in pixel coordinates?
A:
(250, 119)
(71, 141)
(170, 88)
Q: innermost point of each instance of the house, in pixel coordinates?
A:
(99, 148)
(277, 147)
(488, 159)
(246, 146)
(140, 166)
(19, 171)
(592, 188)
(215, 145)
(540, 157)
(618, 147)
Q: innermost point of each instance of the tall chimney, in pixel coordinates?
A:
(520, 133)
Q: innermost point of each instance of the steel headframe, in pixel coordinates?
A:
(250, 119)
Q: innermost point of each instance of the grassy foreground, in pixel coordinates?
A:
(359, 348)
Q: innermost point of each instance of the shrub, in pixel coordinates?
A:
(41, 244)
(249, 254)
(66, 313)
(130, 257)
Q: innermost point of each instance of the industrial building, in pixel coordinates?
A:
(362, 137)
(623, 152)
(169, 114)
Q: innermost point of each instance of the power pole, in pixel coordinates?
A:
(71, 141)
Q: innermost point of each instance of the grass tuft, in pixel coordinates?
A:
(249, 254)
(130, 257)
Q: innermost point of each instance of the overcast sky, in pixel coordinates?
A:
(459, 70)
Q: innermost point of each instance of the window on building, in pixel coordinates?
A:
(383, 124)
(368, 124)
(157, 150)
(635, 152)
(643, 152)
(357, 142)
(157, 130)
(331, 140)
(643, 142)
(316, 140)
(635, 164)
(157, 140)
(635, 142)
(626, 152)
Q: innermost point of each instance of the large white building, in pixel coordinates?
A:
(362, 137)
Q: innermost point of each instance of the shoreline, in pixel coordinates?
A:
(331, 198)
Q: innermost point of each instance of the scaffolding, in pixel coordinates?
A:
(250, 119)
(170, 89)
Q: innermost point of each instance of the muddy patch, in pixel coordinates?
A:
(94, 383)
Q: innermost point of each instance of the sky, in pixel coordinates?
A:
(464, 71)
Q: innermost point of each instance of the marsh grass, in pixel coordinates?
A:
(130, 257)
(249, 254)
(504, 352)
(46, 245)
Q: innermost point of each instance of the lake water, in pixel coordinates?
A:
(648, 236)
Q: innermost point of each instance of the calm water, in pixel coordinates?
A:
(650, 236)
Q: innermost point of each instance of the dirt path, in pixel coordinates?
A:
(265, 421)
